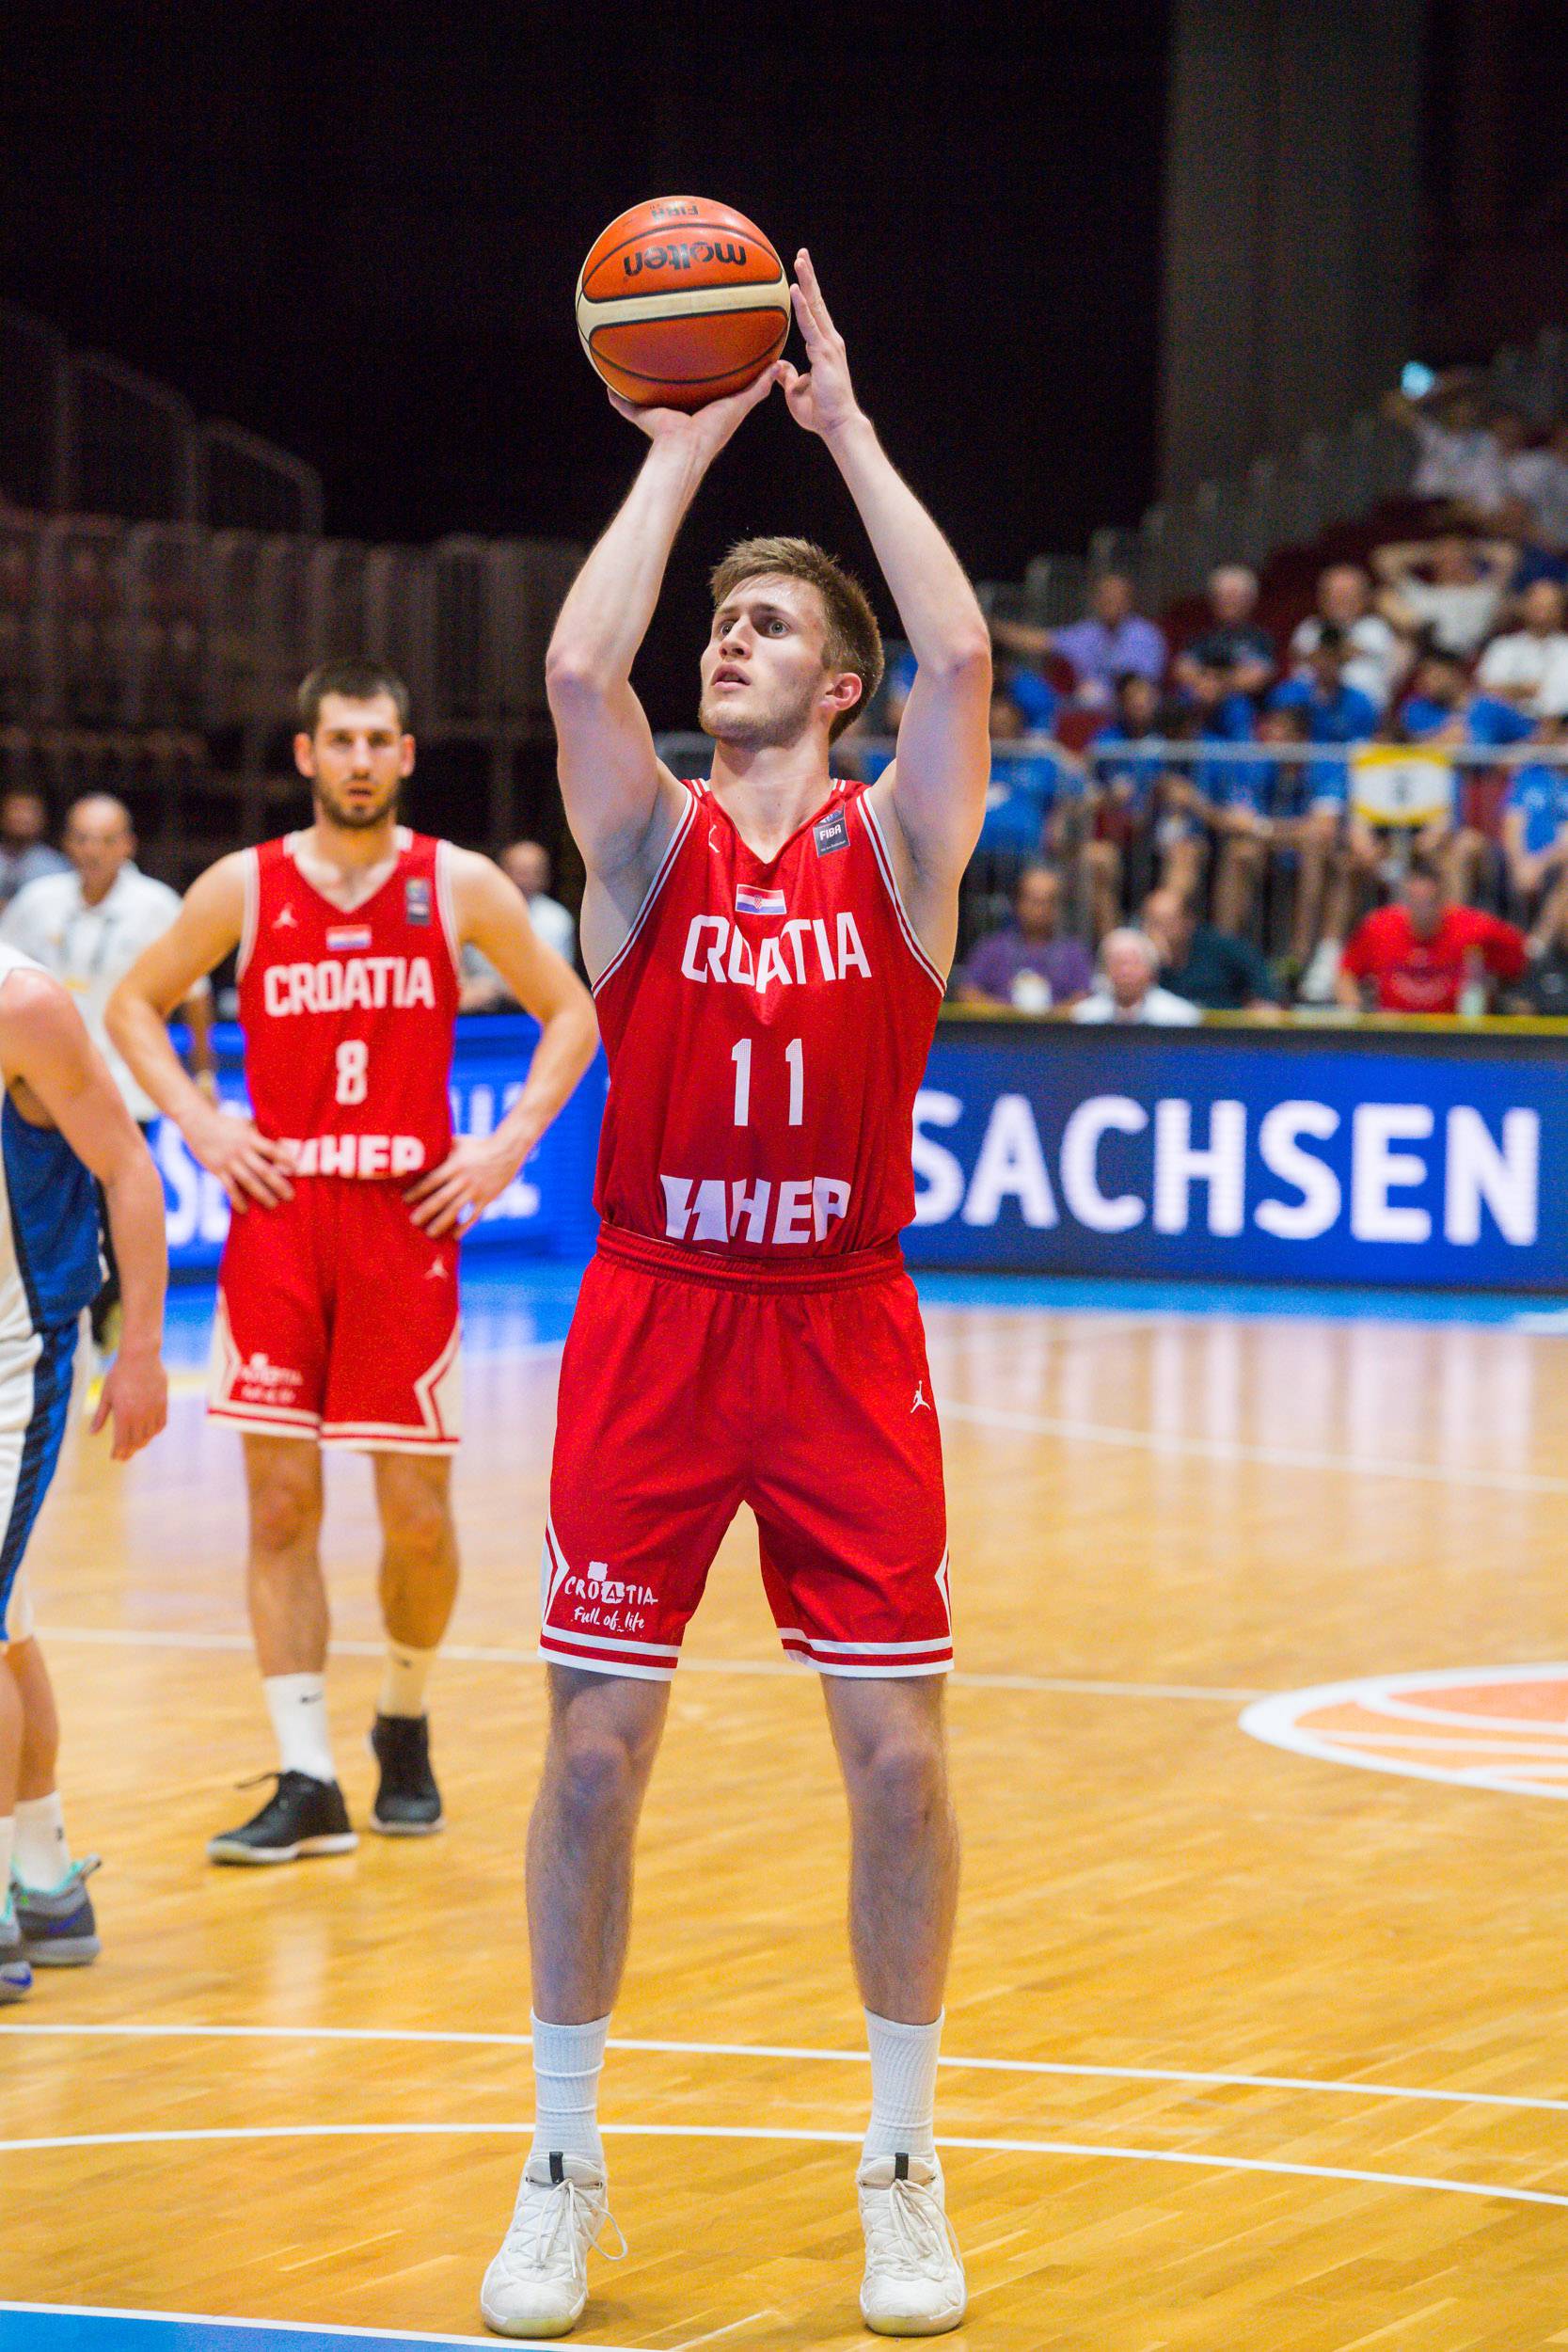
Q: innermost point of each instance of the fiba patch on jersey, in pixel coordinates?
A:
(342, 939)
(417, 899)
(750, 901)
(830, 833)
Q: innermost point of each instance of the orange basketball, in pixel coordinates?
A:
(681, 301)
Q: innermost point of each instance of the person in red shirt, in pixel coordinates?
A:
(1420, 954)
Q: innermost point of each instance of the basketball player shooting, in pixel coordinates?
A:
(769, 951)
(337, 1321)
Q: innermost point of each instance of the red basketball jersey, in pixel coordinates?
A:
(348, 1019)
(767, 1028)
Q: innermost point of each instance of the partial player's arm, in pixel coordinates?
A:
(208, 927)
(622, 803)
(44, 1046)
(935, 790)
(491, 913)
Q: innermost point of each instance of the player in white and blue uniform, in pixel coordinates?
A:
(62, 1124)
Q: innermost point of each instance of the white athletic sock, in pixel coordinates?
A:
(42, 1855)
(404, 1678)
(903, 2088)
(297, 1705)
(568, 2061)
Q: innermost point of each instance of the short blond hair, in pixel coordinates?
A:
(854, 642)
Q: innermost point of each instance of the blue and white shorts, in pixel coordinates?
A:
(35, 1405)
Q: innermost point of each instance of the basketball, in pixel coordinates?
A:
(681, 301)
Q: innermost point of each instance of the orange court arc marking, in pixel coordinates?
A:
(1503, 1728)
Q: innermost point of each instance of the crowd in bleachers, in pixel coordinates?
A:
(1361, 803)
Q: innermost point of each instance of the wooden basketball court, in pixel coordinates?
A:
(1246, 2047)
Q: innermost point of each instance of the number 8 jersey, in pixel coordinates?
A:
(348, 1018)
(767, 1027)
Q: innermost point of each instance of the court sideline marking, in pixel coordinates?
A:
(322, 2330)
(470, 2037)
(140, 1637)
(490, 2129)
(1268, 1456)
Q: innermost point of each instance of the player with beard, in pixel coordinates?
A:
(769, 952)
(337, 1320)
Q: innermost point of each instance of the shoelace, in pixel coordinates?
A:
(912, 2229)
(556, 2208)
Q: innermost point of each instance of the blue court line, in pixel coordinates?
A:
(47, 2328)
(510, 1300)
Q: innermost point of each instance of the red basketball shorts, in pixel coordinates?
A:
(337, 1319)
(693, 1384)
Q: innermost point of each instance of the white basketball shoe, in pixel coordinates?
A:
(538, 2282)
(914, 2274)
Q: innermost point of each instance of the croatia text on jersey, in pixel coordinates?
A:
(374, 984)
(717, 950)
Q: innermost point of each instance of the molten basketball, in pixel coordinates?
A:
(681, 301)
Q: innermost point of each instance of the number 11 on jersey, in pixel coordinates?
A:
(740, 1053)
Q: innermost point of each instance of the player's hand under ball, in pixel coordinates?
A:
(475, 1171)
(703, 430)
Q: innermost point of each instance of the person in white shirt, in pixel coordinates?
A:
(87, 926)
(1128, 989)
(528, 865)
(1529, 666)
(1377, 661)
(1452, 587)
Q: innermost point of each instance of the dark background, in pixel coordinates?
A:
(356, 230)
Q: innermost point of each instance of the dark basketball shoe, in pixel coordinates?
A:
(302, 1816)
(16, 1978)
(58, 1929)
(407, 1803)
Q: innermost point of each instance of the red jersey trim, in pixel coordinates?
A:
(660, 878)
(251, 917)
(445, 907)
(885, 867)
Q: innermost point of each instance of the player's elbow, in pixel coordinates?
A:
(575, 677)
(964, 662)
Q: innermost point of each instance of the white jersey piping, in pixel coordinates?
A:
(885, 865)
(660, 878)
(252, 872)
(444, 905)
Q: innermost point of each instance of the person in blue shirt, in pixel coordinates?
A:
(1124, 783)
(1535, 827)
(1336, 712)
(1030, 780)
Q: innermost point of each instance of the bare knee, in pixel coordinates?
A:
(417, 1524)
(597, 1781)
(900, 1784)
(285, 1512)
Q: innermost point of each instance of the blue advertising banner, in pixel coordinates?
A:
(549, 1209)
(1357, 1156)
(1266, 1156)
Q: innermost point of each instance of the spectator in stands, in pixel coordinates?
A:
(1335, 713)
(1540, 478)
(1029, 965)
(1234, 656)
(527, 863)
(1459, 462)
(1545, 985)
(1128, 991)
(1448, 591)
(25, 850)
(1529, 667)
(1335, 709)
(1109, 640)
(1126, 778)
(1535, 827)
(1210, 967)
(1031, 781)
(1425, 954)
(1376, 660)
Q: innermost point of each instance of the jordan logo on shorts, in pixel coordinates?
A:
(436, 1271)
(920, 1404)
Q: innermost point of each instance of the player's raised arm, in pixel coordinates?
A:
(44, 1045)
(492, 913)
(207, 928)
(611, 780)
(936, 787)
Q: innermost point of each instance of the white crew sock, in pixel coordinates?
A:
(568, 2061)
(903, 2088)
(404, 1678)
(42, 1850)
(297, 1705)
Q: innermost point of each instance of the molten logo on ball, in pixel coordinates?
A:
(675, 321)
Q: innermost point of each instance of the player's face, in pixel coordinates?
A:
(766, 680)
(355, 760)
